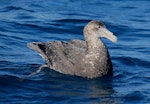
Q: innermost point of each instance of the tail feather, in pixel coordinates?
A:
(40, 48)
(37, 46)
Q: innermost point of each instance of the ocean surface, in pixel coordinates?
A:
(24, 21)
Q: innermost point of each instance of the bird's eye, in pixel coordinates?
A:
(99, 26)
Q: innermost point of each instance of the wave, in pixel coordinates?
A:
(14, 8)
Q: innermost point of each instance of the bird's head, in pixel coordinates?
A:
(97, 29)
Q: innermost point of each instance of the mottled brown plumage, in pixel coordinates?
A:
(89, 58)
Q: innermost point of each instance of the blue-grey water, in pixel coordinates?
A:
(23, 21)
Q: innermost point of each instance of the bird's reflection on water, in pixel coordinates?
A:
(99, 90)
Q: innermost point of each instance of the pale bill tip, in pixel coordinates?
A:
(114, 39)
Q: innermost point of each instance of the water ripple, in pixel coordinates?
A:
(14, 8)
(27, 21)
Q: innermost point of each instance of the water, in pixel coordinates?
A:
(23, 21)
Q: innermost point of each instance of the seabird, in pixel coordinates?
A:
(85, 58)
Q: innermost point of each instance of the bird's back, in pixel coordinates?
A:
(63, 57)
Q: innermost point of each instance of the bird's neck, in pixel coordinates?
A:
(95, 46)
